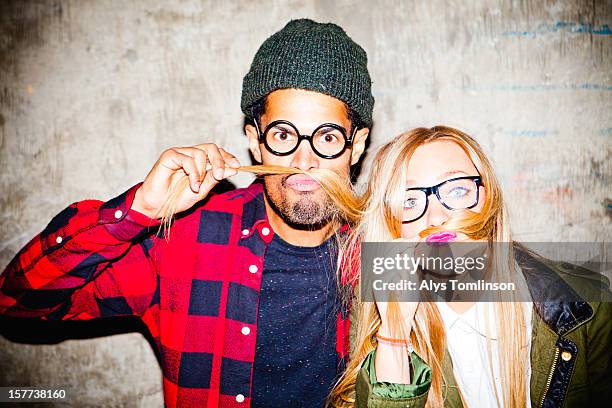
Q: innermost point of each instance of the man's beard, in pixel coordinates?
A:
(307, 212)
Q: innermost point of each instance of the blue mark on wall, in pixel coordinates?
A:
(540, 87)
(545, 132)
(527, 133)
(544, 28)
(553, 87)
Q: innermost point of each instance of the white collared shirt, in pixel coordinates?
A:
(467, 344)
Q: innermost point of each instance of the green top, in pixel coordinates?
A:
(420, 374)
(385, 394)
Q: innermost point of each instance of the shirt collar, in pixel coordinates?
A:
(254, 216)
(472, 320)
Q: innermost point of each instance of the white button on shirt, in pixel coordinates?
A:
(467, 344)
(118, 214)
(239, 398)
(245, 330)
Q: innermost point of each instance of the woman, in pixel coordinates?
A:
(438, 185)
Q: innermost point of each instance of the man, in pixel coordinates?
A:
(241, 300)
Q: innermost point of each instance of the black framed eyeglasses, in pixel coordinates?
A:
(282, 138)
(459, 193)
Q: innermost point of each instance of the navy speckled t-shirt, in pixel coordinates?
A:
(295, 357)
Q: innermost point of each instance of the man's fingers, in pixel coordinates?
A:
(187, 163)
(229, 172)
(229, 158)
(215, 158)
(199, 156)
(210, 157)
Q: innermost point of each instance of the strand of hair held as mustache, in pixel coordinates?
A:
(337, 187)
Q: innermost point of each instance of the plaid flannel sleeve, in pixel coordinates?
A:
(92, 260)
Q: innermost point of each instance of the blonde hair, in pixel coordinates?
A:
(381, 221)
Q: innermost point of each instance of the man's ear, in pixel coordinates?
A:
(251, 133)
(359, 143)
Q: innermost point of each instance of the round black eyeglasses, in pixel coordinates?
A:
(282, 138)
(459, 193)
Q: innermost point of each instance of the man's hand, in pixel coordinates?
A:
(205, 165)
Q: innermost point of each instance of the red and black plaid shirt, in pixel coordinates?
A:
(197, 293)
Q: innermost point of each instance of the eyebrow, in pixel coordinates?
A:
(322, 125)
(439, 179)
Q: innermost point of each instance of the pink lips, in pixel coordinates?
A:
(445, 236)
(302, 182)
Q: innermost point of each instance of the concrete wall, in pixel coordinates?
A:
(91, 92)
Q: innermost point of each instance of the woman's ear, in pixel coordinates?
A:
(251, 133)
(359, 144)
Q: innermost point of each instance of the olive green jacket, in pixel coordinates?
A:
(571, 350)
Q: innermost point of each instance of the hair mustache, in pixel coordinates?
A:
(336, 185)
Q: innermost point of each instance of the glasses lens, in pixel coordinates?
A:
(415, 202)
(328, 141)
(282, 138)
(459, 194)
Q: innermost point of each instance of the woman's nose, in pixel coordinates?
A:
(436, 214)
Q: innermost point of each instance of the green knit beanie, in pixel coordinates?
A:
(312, 56)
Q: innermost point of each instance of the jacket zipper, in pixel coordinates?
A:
(550, 375)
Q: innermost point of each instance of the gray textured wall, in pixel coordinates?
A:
(91, 92)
